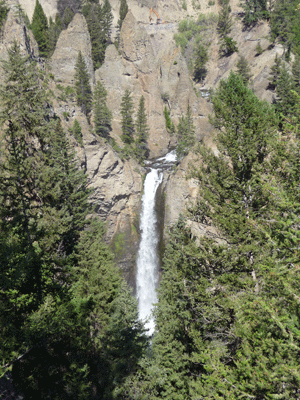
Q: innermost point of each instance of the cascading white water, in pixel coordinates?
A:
(147, 259)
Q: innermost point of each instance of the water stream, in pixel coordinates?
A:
(147, 258)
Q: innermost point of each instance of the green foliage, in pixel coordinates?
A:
(184, 5)
(224, 20)
(54, 31)
(227, 317)
(185, 134)
(259, 50)
(142, 131)
(296, 73)
(39, 27)
(67, 17)
(244, 69)
(102, 114)
(122, 13)
(201, 58)
(76, 130)
(228, 46)
(69, 326)
(285, 99)
(99, 20)
(285, 25)
(275, 73)
(82, 85)
(3, 13)
(190, 29)
(169, 124)
(127, 118)
(254, 11)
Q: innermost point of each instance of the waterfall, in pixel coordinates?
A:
(147, 258)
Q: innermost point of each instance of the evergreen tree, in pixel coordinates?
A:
(254, 11)
(243, 69)
(224, 311)
(39, 27)
(67, 17)
(285, 25)
(54, 31)
(228, 46)
(3, 13)
(76, 130)
(82, 85)
(127, 118)
(185, 134)
(102, 114)
(142, 130)
(201, 58)
(285, 99)
(224, 19)
(275, 73)
(99, 19)
(122, 14)
(296, 73)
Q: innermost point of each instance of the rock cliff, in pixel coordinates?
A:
(150, 66)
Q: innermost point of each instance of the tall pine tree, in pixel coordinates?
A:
(142, 131)
(127, 117)
(102, 114)
(39, 27)
(82, 85)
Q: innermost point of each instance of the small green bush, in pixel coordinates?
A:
(258, 49)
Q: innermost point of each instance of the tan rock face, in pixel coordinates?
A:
(116, 198)
(72, 40)
(149, 65)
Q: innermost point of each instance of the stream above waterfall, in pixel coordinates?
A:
(147, 276)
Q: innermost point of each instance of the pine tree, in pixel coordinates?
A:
(99, 19)
(142, 130)
(67, 17)
(102, 114)
(224, 20)
(3, 13)
(228, 46)
(285, 99)
(82, 85)
(296, 73)
(54, 31)
(122, 14)
(76, 130)
(275, 73)
(185, 134)
(24, 119)
(201, 58)
(243, 69)
(39, 26)
(127, 118)
(254, 10)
